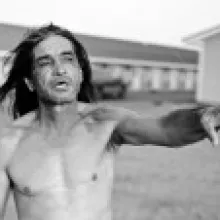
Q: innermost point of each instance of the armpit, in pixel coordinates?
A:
(115, 141)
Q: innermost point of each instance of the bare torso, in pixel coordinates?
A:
(62, 177)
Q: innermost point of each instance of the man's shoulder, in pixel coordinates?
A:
(92, 110)
(84, 108)
(13, 127)
(24, 121)
(105, 112)
(12, 133)
(19, 126)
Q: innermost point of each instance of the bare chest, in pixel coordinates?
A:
(62, 163)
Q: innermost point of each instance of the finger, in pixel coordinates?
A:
(208, 122)
(213, 136)
(212, 133)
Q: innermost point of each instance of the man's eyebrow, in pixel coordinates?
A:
(69, 52)
(47, 56)
(44, 57)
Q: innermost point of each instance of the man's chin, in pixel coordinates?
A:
(64, 101)
(60, 100)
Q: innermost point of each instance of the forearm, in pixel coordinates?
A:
(176, 129)
(183, 127)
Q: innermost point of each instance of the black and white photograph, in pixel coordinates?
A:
(110, 110)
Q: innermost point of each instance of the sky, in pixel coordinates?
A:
(155, 21)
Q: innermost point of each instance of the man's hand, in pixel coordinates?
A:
(210, 119)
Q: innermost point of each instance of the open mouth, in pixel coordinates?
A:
(61, 84)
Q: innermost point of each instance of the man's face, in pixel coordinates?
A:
(56, 74)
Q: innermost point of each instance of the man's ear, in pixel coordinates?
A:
(29, 84)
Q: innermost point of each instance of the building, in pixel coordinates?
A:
(208, 41)
(146, 67)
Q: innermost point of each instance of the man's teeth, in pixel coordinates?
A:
(61, 85)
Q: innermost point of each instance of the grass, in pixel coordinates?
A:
(159, 183)
(156, 183)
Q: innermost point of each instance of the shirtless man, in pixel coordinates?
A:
(57, 156)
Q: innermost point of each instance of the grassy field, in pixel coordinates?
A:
(158, 183)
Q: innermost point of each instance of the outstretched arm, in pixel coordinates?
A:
(178, 128)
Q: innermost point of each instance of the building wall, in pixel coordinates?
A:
(209, 88)
(1, 70)
(152, 77)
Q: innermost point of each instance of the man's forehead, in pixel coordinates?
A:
(53, 45)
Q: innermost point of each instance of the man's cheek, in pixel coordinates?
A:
(77, 81)
(43, 87)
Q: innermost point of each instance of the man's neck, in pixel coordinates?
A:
(58, 118)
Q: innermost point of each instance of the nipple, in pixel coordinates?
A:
(26, 190)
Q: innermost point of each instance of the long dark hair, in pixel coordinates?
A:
(24, 100)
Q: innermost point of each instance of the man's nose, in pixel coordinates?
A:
(59, 68)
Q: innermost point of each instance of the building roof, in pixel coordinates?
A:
(98, 46)
(199, 37)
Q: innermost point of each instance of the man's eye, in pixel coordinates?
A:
(44, 63)
(69, 58)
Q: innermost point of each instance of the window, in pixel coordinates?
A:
(147, 78)
(181, 79)
(194, 78)
(165, 78)
(127, 67)
(127, 73)
(103, 65)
